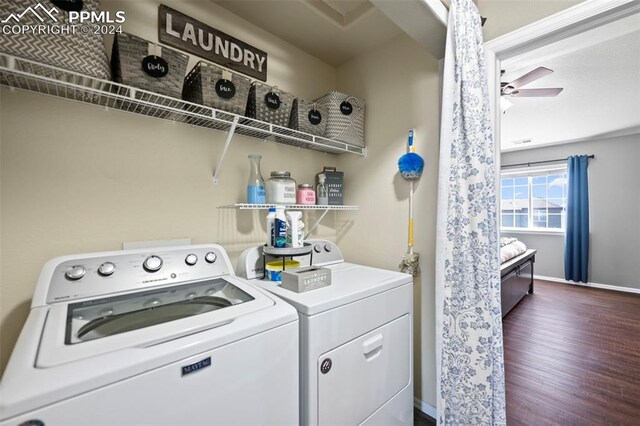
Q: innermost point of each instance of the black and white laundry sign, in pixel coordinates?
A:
(190, 35)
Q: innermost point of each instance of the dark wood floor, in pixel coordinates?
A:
(572, 357)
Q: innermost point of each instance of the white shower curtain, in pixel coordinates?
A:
(468, 315)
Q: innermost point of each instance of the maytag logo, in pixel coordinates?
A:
(192, 368)
(39, 11)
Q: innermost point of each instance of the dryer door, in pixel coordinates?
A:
(357, 378)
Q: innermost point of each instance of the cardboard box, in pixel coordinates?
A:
(306, 278)
(334, 183)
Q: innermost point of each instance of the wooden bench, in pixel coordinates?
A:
(517, 279)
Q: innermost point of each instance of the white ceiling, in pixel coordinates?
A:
(334, 31)
(600, 73)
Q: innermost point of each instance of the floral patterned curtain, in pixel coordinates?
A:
(468, 315)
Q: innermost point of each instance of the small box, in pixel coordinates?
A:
(334, 183)
(306, 278)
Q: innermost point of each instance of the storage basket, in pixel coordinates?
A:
(207, 84)
(79, 52)
(126, 64)
(275, 114)
(308, 117)
(342, 125)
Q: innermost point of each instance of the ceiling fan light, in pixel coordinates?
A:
(505, 103)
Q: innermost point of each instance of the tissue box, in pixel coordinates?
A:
(306, 278)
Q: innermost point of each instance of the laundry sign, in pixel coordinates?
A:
(190, 35)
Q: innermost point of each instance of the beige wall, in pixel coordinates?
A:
(400, 83)
(504, 16)
(76, 178)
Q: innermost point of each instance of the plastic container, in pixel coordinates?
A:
(271, 217)
(295, 229)
(274, 269)
(280, 228)
(281, 189)
(306, 195)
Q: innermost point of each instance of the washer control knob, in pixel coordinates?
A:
(75, 272)
(317, 248)
(210, 257)
(328, 248)
(152, 263)
(107, 269)
(191, 259)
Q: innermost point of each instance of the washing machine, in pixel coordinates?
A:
(154, 336)
(355, 339)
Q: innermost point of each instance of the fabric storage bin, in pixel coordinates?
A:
(308, 117)
(269, 104)
(345, 117)
(79, 52)
(127, 56)
(215, 87)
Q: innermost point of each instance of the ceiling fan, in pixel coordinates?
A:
(514, 88)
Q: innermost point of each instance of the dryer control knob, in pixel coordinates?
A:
(328, 248)
(191, 259)
(317, 248)
(75, 272)
(106, 269)
(210, 257)
(152, 263)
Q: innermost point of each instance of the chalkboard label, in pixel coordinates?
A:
(315, 117)
(346, 108)
(272, 100)
(69, 5)
(225, 89)
(155, 66)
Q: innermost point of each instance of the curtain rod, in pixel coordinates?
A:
(530, 163)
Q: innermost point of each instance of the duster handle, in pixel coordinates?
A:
(412, 134)
(411, 217)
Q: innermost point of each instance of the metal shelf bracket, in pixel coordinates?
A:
(316, 223)
(227, 142)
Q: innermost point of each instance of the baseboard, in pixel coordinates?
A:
(425, 408)
(594, 285)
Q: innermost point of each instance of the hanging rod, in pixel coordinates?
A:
(531, 163)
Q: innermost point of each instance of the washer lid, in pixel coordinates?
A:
(92, 327)
(349, 283)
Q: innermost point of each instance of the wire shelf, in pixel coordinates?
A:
(36, 77)
(245, 206)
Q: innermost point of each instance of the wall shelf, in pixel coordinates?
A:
(18, 73)
(245, 206)
(324, 209)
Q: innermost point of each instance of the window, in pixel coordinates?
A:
(534, 200)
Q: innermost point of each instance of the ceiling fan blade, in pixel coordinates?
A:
(530, 76)
(536, 93)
